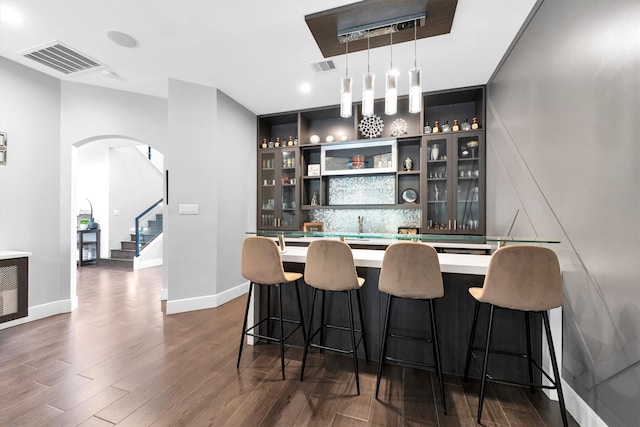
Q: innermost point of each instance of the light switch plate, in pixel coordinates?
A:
(187, 209)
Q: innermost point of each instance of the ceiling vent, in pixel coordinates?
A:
(323, 66)
(61, 58)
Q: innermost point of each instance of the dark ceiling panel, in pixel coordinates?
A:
(325, 25)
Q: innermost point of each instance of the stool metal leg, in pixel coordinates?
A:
(529, 359)
(384, 343)
(307, 340)
(324, 298)
(471, 339)
(279, 286)
(486, 362)
(436, 354)
(244, 324)
(353, 342)
(304, 333)
(554, 364)
(364, 334)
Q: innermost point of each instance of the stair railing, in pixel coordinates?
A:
(146, 211)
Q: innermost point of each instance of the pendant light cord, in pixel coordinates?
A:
(415, 43)
(368, 61)
(346, 57)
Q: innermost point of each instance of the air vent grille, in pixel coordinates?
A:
(323, 66)
(61, 58)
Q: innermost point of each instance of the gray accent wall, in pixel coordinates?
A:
(30, 217)
(564, 153)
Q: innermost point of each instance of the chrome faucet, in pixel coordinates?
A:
(360, 220)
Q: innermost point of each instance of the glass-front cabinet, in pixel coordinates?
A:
(277, 183)
(455, 183)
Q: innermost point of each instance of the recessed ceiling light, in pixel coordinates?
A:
(305, 88)
(10, 16)
(122, 39)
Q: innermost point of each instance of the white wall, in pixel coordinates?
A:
(563, 148)
(135, 185)
(30, 217)
(236, 187)
(92, 183)
(209, 136)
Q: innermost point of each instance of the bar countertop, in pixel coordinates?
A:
(449, 263)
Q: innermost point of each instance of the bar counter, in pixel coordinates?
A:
(454, 311)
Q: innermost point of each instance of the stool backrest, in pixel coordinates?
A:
(261, 261)
(523, 277)
(411, 270)
(330, 266)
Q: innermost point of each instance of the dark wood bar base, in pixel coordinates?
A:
(454, 313)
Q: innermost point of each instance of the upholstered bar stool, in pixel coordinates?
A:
(411, 271)
(261, 265)
(527, 279)
(330, 267)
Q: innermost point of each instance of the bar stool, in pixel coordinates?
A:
(261, 265)
(527, 279)
(411, 271)
(330, 267)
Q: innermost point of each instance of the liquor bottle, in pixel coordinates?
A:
(456, 126)
(474, 123)
(427, 128)
(278, 144)
(295, 141)
(290, 141)
(436, 127)
(466, 125)
(270, 143)
(264, 143)
(446, 127)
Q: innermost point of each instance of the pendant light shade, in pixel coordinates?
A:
(415, 78)
(415, 90)
(368, 81)
(391, 93)
(346, 89)
(346, 97)
(368, 84)
(391, 87)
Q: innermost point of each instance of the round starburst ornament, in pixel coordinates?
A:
(398, 127)
(371, 126)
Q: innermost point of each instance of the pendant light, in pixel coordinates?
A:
(346, 94)
(391, 87)
(368, 81)
(415, 77)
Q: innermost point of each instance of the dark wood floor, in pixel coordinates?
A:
(119, 360)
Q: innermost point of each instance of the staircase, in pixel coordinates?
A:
(123, 257)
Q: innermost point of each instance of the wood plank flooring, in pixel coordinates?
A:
(119, 360)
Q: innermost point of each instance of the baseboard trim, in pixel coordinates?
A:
(579, 410)
(208, 301)
(38, 312)
(137, 264)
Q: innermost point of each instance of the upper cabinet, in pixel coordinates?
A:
(432, 161)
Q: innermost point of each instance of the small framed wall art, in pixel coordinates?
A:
(3, 148)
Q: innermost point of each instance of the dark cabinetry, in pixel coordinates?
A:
(278, 190)
(88, 246)
(441, 174)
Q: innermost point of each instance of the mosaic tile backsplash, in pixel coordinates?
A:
(356, 190)
(375, 220)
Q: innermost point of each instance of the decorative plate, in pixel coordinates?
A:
(409, 195)
(371, 126)
(398, 127)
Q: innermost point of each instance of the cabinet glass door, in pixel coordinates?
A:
(267, 190)
(469, 172)
(437, 185)
(288, 201)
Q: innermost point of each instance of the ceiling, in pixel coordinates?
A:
(256, 51)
